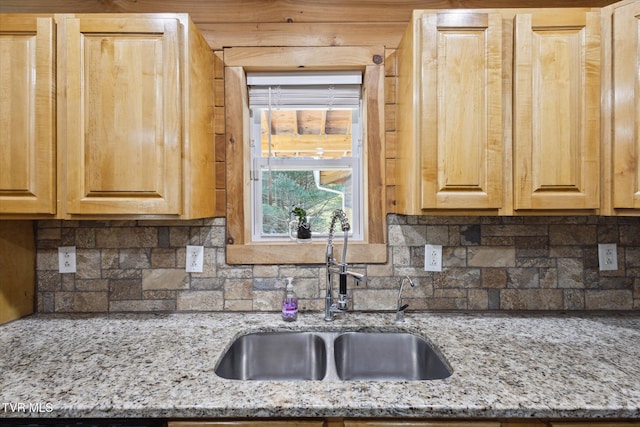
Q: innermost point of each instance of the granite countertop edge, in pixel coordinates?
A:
(506, 365)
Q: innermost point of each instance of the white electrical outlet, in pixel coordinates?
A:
(607, 256)
(195, 259)
(67, 259)
(433, 257)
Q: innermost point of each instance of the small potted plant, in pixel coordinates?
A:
(303, 227)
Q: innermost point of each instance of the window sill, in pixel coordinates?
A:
(307, 253)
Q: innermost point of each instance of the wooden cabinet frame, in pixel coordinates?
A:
(122, 136)
(108, 116)
(621, 129)
(539, 151)
(172, 117)
(27, 116)
(450, 154)
(556, 118)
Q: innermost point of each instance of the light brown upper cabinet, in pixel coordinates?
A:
(556, 110)
(133, 131)
(499, 112)
(27, 139)
(136, 129)
(626, 109)
(450, 113)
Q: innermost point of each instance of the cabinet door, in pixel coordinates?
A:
(410, 423)
(123, 116)
(461, 114)
(626, 127)
(557, 110)
(27, 139)
(595, 424)
(248, 423)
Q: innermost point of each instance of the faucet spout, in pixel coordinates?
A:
(333, 267)
(338, 214)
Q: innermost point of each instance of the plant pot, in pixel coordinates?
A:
(303, 231)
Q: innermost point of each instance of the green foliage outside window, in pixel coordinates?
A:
(284, 190)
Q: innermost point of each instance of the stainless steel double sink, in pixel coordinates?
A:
(310, 355)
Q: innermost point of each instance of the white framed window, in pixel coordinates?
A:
(306, 150)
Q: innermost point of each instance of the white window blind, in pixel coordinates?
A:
(305, 90)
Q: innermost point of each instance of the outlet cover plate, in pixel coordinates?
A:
(432, 257)
(607, 256)
(67, 259)
(195, 259)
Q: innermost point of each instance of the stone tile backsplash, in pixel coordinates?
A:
(490, 263)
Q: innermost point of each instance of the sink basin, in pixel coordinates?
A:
(275, 356)
(332, 356)
(387, 356)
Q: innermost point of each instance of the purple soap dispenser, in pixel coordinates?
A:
(289, 303)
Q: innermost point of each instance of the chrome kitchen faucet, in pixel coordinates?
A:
(333, 267)
(400, 308)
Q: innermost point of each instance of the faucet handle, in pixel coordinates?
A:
(357, 277)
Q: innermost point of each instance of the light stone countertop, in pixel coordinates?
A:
(162, 366)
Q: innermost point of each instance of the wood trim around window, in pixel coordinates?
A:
(240, 249)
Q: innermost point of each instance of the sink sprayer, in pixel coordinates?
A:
(334, 267)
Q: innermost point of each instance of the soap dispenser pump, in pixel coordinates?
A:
(290, 303)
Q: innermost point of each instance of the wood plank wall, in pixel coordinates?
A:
(229, 23)
(236, 23)
(278, 11)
